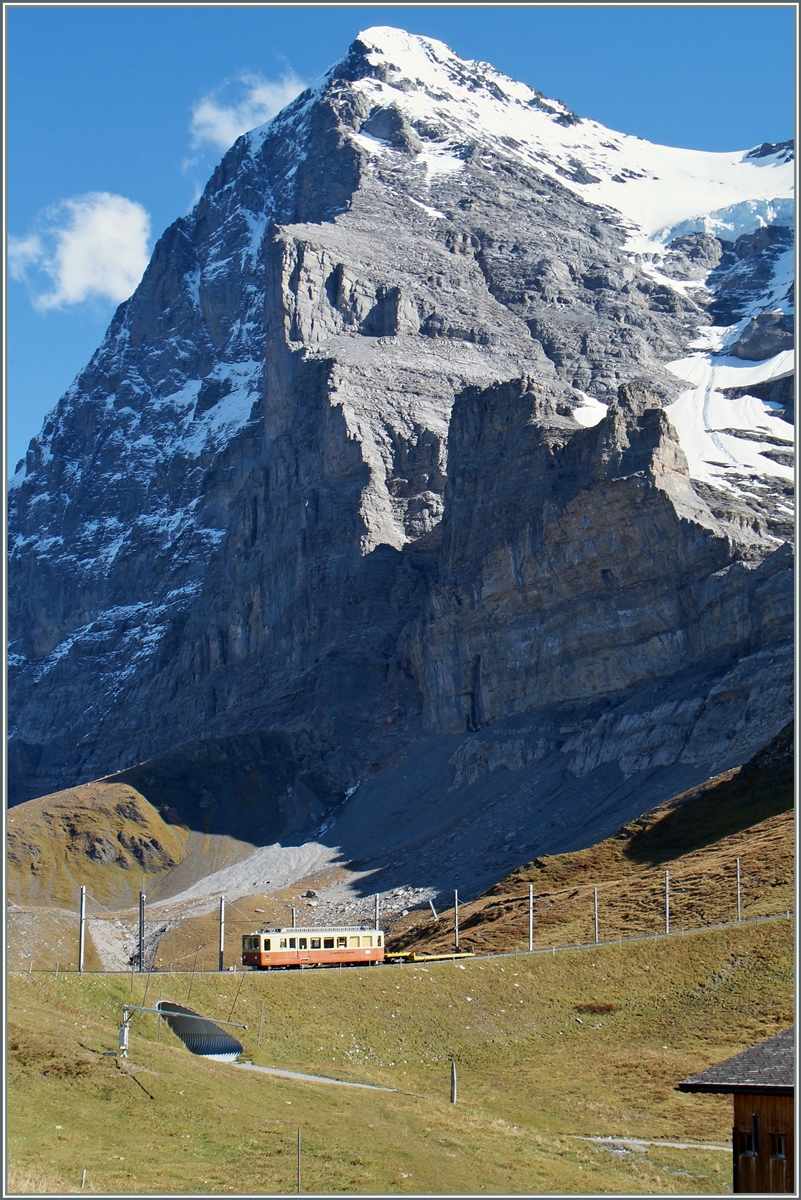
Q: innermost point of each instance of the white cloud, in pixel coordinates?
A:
(90, 245)
(22, 252)
(219, 124)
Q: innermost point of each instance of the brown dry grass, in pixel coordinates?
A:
(37, 1183)
(630, 886)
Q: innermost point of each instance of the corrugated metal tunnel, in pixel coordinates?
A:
(199, 1035)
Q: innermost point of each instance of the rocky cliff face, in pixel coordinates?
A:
(395, 442)
(599, 568)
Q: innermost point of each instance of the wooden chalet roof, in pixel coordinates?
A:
(768, 1067)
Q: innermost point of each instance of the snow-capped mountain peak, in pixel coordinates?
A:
(658, 189)
(413, 319)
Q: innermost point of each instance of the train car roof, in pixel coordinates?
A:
(316, 929)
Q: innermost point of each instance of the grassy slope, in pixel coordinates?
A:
(108, 836)
(530, 1073)
(104, 835)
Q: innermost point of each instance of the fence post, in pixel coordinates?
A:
(81, 927)
(261, 1022)
(453, 1083)
(595, 897)
(222, 931)
(739, 910)
(298, 1162)
(456, 918)
(667, 902)
(530, 917)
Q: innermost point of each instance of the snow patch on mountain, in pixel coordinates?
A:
(711, 425)
(736, 219)
(590, 412)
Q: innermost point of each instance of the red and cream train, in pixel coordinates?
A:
(320, 946)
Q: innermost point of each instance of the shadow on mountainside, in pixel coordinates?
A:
(459, 812)
(762, 788)
(244, 787)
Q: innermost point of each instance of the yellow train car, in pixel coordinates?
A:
(312, 947)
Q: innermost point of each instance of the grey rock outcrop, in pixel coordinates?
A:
(766, 334)
(323, 499)
(744, 272)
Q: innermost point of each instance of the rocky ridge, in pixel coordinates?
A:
(393, 446)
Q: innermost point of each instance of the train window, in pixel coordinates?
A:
(283, 943)
(303, 943)
(315, 943)
(342, 943)
(354, 941)
(328, 943)
(378, 941)
(266, 943)
(292, 945)
(367, 941)
(251, 943)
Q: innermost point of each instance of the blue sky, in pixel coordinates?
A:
(117, 116)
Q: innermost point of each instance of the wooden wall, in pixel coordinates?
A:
(764, 1164)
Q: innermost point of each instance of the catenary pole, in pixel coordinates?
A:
(142, 902)
(595, 897)
(81, 928)
(222, 932)
(739, 909)
(377, 924)
(456, 918)
(531, 917)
